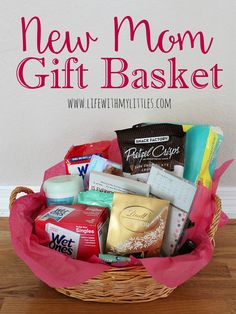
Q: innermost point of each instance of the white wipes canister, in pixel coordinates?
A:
(63, 189)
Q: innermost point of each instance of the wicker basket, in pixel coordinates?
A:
(126, 284)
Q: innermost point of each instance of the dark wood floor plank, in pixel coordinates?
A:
(46, 306)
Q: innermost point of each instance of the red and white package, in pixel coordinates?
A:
(77, 231)
(78, 157)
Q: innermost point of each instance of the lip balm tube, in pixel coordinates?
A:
(63, 189)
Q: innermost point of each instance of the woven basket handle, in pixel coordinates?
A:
(215, 220)
(16, 191)
(211, 232)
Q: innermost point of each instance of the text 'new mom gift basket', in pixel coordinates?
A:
(127, 220)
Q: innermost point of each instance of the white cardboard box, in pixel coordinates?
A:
(105, 182)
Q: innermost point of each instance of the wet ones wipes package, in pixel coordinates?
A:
(77, 231)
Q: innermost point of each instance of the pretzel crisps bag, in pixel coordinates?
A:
(202, 147)
(161, 144)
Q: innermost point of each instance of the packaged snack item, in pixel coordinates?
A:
(63, 189)
(181, 194)
(137, 221)
(161, 144)
(100, 164)
(106, 182)
(136, 225)
(78, 158)
(77, 231)
(201, 152)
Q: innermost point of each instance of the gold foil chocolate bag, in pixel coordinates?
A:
(137, 224)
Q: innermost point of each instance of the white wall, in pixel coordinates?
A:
(36, 128)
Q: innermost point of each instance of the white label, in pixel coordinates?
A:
(57, 213)
(167, 186)
(106, 182)
(154, 139)
(80, 169)
(63, 240)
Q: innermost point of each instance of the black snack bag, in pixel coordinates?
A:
(161, 144)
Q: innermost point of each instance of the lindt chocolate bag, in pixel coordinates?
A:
(137, 224)
(161, 144)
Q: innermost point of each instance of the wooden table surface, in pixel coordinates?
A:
(213, 290)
